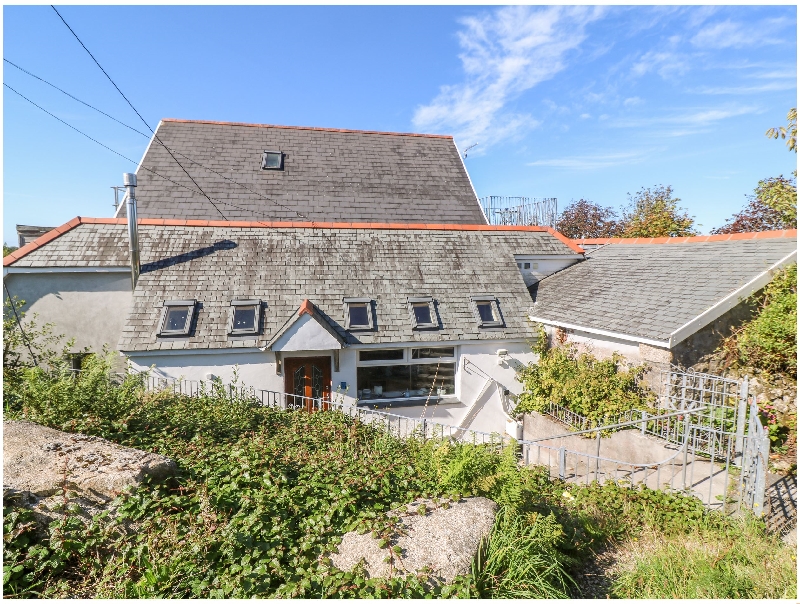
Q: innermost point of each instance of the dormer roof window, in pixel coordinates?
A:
(423, 313)
(272, 160)
(358, 314)
(245, 317)
(486, 311)
(176, 318)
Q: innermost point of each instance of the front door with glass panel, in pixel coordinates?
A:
(308, 377)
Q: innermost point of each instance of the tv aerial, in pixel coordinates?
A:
(468, 148)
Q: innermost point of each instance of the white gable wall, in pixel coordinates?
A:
(306, 334)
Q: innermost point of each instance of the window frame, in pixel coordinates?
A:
(264, 159)
(434, 324)
(474, 300)
(190, 304)
(346, 302)
(258, 304)
(408, 361)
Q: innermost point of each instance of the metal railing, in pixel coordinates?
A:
(699, 465)
(527, 211)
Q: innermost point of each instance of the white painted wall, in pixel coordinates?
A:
(476, 363)
(306, 334)
(542, 266)
(90, 307)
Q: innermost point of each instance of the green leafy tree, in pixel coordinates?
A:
(772, 207)
(655, 213)
(7, 249)
(788, 132)
(586, 219)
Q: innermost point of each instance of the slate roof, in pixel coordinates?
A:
(650, 290)
(215, 262)
(337, 175)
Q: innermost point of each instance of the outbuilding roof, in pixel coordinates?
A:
(283, 264)
(660, 291)
(326, 174)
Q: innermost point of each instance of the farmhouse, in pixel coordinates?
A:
(392, 315)
(661, 301)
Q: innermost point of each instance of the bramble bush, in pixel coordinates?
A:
(597, 389)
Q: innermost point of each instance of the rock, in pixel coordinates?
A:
(40, 465)
(443, 540)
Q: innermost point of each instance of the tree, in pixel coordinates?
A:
(586, 219)
(789, 132)
(655, 213)
(7, 249)
(772, 207)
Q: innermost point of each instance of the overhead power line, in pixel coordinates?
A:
(111, 117)
(228, 179)
(94, 140)
(137, 113)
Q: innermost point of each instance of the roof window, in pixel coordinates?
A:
(245, 317)
(357, 313)
(486, 311)
(176, 319)
(272, 160)
(423, 313)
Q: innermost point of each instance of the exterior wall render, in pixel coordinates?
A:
(89, 306)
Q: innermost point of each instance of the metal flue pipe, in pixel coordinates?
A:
(133, 230)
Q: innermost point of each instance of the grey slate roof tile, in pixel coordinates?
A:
(342, 176)
(283, 266)
(650, 290)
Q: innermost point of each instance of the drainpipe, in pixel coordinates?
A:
(133, 230)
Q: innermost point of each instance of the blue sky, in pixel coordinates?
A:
(569, 102)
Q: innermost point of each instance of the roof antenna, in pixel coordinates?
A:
(116, 196)
(133, 228)
(468, 148)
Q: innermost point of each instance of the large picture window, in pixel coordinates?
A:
(406, 375)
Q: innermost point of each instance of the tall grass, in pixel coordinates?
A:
(744, 563)
(521, 558)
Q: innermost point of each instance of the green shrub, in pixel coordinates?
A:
(769, 341)
(597, 389)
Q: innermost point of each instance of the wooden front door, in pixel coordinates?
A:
(309, 377)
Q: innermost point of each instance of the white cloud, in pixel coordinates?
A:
(695, 119)
(630, 102)
(768, 87)
(665, 63)
(585, 116)
(592, 162)
(504, 53)
(729, 34)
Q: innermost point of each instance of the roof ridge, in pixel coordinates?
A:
(313, 128)
(68, 226)
(694, 239)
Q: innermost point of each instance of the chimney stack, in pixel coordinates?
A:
(133, 230)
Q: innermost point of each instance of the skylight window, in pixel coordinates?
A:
(423, 313)
(357, 313)
(176, 319)
(245, 317)
(272, 160)
(486, 311)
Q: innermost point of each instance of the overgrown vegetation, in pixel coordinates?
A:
(263, 497)
(768, 342)
(597, 389)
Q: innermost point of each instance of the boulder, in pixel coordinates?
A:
(444, 539)
(44, 468)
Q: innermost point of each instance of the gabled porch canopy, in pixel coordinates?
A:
(306, 329)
